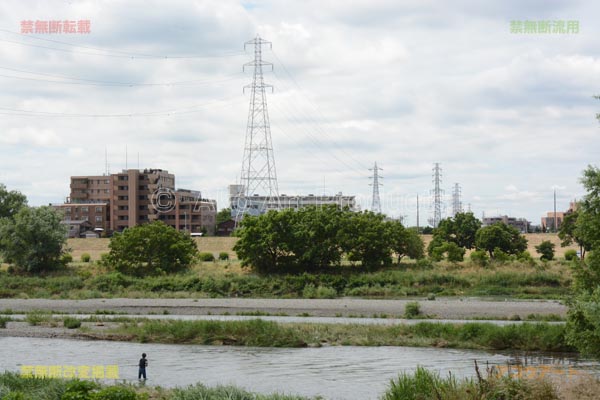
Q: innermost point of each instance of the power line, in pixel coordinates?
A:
(95, 82)
(176, 111)
(109, 52)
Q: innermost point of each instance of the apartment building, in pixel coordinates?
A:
(520, 223)
(112, 203)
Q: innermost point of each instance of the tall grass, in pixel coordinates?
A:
(427, 385)
(527, 336)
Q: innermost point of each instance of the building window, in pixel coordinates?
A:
(84, 209)
(123, 218)
(98, 209)
(123, 197)
(98, 219)
(123, 178)
(123, 207)
(67, 210)
(123, 187)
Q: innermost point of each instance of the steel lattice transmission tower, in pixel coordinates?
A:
(437, 194)
(376, 202)
(258, 176)
(456, 199)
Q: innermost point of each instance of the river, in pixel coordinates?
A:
(340, 372)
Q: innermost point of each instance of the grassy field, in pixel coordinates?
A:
(95, 247)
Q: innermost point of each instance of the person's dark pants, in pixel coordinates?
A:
(142, 373)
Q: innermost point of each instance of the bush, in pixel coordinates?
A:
(66, 258)
(36, 318)
(412, 310)
(571, 255)
(3, 321)
(500, 256)
(480, 258)
(546, 249)
(115, 393)
(71, 323)
(206, 256)
(223, 256)
(85, 257)
(151, 249)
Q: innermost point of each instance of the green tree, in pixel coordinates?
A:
(546, 250)
(449, 250)
(405, 242)
(583, 324)
(367, 239)
(33, 240)
(569, 233)
(265, 241)
(500, 236)
(460, 230)
(223, 215)
(151, 249)
(10, 202)
(588, 222)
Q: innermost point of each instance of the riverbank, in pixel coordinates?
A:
(260, 333)
(443, 308)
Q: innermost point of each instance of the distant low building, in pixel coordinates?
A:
(225, 228)
(520, 223)
(77, 228)
(257, 204)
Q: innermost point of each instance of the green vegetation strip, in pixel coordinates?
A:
(526, 336)
(407, 280)
(421, 385)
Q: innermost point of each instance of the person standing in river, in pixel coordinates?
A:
(142, 364)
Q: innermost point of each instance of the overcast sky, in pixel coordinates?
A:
(509, 116)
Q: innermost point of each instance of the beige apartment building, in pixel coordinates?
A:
(112, 203)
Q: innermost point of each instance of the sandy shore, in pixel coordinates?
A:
(441, 308)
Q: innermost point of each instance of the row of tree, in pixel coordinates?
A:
(314, 238)
(455, 235)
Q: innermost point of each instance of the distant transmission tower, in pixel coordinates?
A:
(258, 176)
(456, 200)
(437, 194)
(376, 202)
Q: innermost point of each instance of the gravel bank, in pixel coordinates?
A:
(441, 308)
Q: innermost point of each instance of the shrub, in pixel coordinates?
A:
(546, 249)
(36, 318)
(206, 256)
(85, 257)
(71, 323)
(66, 258)
(3, 321)
(412, 310)
(571, 255)
(500, 256)
(480, 258)
(115, 393)
(223, 256)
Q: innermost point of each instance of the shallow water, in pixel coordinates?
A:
(333, 372)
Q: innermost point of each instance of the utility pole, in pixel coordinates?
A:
(375, 201)
(258, 176)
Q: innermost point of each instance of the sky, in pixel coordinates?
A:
(159, 84)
